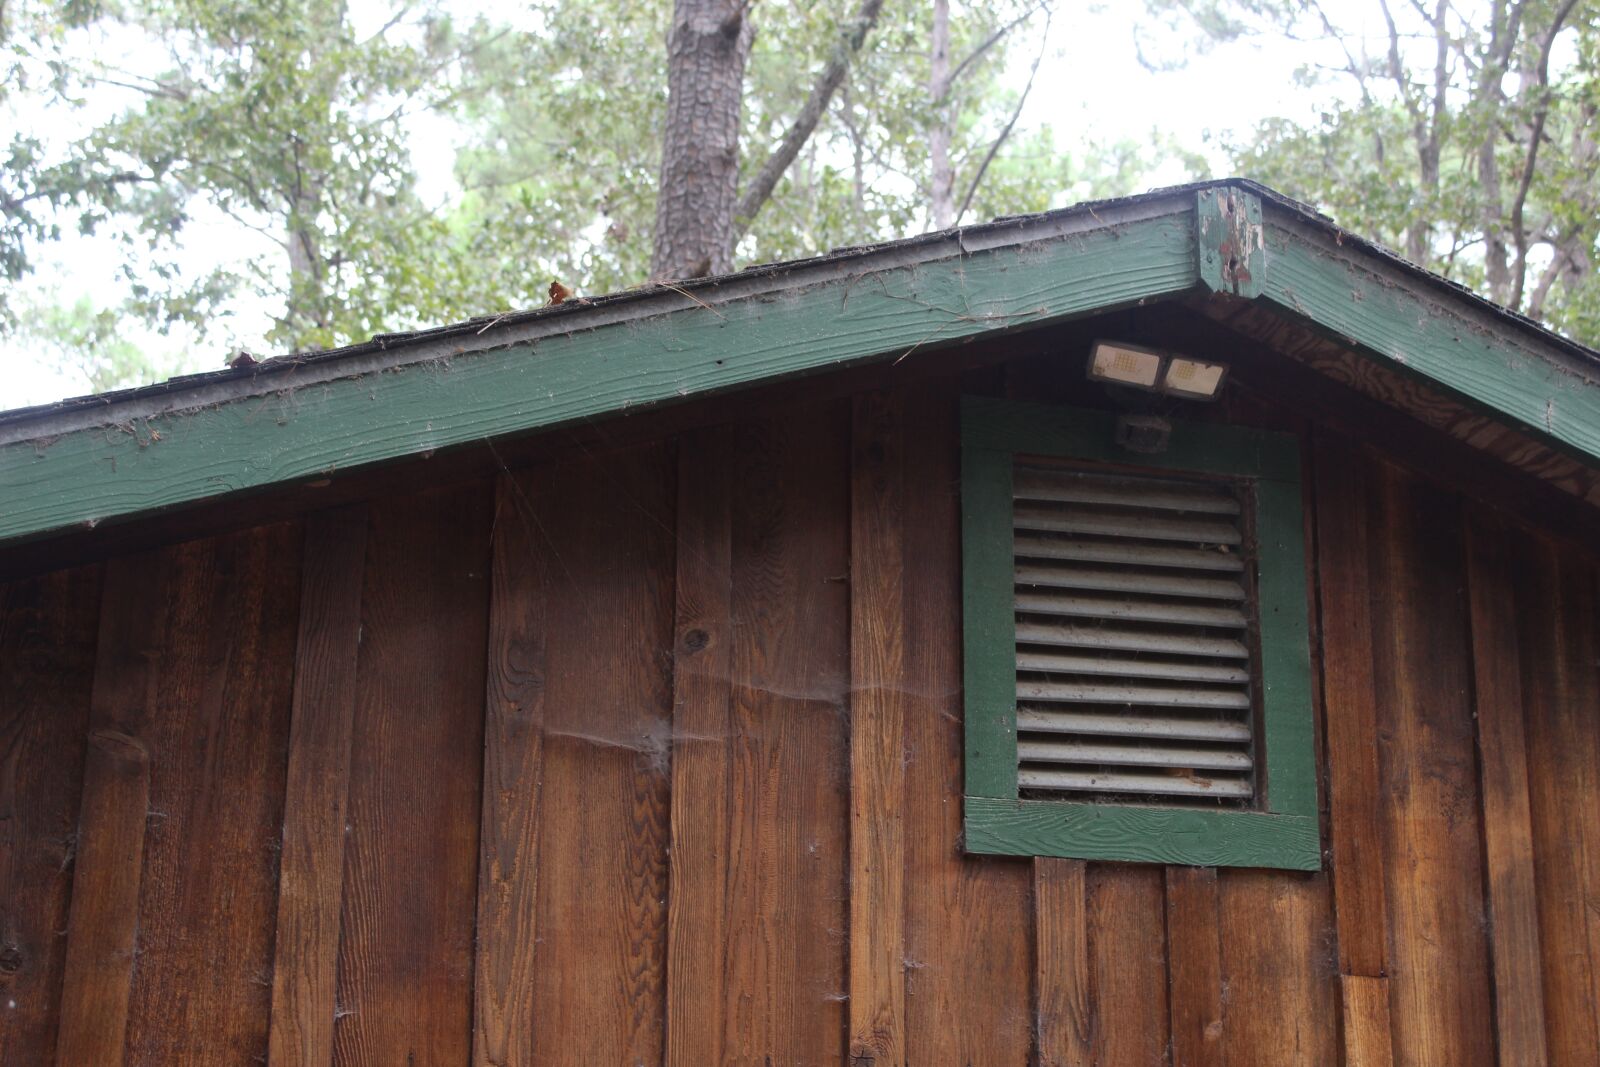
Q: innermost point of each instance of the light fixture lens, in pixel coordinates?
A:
(1194, 380)
(1124, 365)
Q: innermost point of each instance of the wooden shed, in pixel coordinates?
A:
(1162, 631)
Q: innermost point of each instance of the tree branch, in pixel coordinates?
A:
(1541, 87)
(993, 39)
(765, 180)
(983, 168)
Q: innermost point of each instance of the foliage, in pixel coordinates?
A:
(1466, 137)
(572, 147)
(278, 117)
(89, 341)
(283, 124)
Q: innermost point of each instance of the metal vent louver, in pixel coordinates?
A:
(1133, 609)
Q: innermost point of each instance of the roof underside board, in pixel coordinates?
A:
(83, 463)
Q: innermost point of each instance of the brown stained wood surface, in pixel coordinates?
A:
(677, 841)
(1557, 639)
(505, 1007)
(788, 850)
(1365, 1026)
(1348, 603)
(1128, 965)
(605, 528)
(1194, 947)
(697, 988)
(102, 924)
(1507, 822)
(1440, 981)
(411, 855)
(47, 641)
(217, 734)
(878, 681)
(1282, 1002)
(311, 872)
(1064, 1005)
(102, 927)
(968, 919)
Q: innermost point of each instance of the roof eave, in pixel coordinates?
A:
(89, 461)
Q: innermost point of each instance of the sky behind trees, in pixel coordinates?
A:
(1117, 98)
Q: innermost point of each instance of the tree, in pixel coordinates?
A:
(1468, 139)
(844, 105)
(282, 119)
(707, 49)
(288, 124)
(699, 217)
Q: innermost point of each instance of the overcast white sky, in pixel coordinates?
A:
(1094, 85)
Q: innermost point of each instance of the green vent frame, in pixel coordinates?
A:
(1284, 830)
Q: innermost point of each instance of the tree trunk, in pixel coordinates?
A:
(707, 49)
(1491, 102)
(942, 195)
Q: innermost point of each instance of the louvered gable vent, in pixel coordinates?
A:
(1133, 618)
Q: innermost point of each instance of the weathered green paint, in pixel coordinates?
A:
(1283, 614)
(1081, 433)
(90, 475)
(135, 464)
(1410, 329)
(1284, 832)
(988, 625)
(1229, 241)
(1142, 834)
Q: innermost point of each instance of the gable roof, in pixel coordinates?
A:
(79, 462)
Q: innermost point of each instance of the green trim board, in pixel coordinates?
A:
(203, 439)
(1129, 834)
(1283, 830)
(89, 475)
(1368, 305)
(1230, 241)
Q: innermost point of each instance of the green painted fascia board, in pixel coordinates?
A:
(136, 457)
(93, 473)
(1382, 312)
(1229, 241)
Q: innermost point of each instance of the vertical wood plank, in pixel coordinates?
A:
(103, 923)
(103, 919)
(504, 1002)
(1364, 1009)
(605, 525)
(701, 747)
(1349, 702)
(1440, 985)
(1063, 1006)
(47, 642)
(789, 852)
(1128, 965)
(877, 733)
(1561, 698)
(311, 873)
(218, 738)
(1507, 820)
(969, 919)
(1195, 968)
(1282, 1002)
(404, 990)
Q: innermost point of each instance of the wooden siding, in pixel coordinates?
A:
(652, 754)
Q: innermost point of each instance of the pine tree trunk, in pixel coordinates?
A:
(707, 48)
